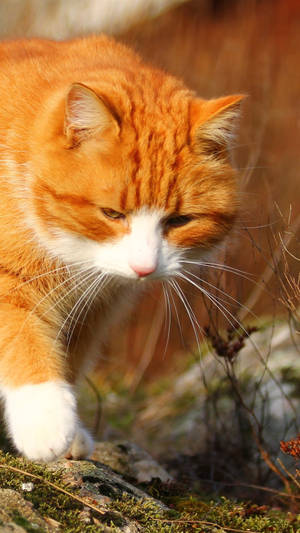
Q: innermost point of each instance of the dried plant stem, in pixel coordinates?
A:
(256, 434)
(268, 460)
(249, 486)
(288, 473)
(205, 523)
(271, 268)
(98, 414)
(54, 486)
(265, 277)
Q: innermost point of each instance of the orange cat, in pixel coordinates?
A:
(112, 172)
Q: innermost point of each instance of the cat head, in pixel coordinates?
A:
(132, 177)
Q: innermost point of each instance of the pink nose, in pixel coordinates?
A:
(142, 271)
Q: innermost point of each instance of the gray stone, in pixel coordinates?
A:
(97, 485)
(130, 460)
(13, 504)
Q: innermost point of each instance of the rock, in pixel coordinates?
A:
(16, 512)
(130, 460)
(12, 528)
(97, 481)
(100, 497)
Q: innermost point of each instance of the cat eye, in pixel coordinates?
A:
(176, 221)
(111, 213)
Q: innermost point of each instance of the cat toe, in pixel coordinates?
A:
(82, 445)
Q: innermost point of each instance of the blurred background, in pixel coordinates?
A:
(192, 401)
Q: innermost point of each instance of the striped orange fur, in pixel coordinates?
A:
(103, 160)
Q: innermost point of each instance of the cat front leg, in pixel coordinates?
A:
(40, 404)
(41, 419)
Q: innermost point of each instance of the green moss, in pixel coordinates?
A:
(184, 511)
(46, 500)
(244, 516)
(147, 513)
(25, 524)
(192, 513)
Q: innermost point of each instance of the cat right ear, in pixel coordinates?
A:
(86, 116)
(213, 124)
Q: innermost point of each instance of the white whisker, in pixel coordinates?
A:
(213, 299)
(168, 316)
(49, 272)
(49, 294)
(193, 320)
(223, 292)
(177, 315)
(82, 282)
(88, 296)
(219, 266)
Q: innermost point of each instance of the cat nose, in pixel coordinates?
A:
(143, 271)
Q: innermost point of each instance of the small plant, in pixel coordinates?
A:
(230, 344)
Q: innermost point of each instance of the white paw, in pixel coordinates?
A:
(82, 446)
(42, 419)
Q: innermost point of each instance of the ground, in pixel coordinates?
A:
(88, 496)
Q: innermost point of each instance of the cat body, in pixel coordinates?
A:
(112, 173)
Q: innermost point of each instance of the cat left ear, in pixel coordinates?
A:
(213, 124)
(86, 115)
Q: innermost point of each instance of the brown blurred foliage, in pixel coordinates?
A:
(223, 47)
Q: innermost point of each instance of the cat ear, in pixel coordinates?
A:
(86, 115)
(214, 124)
